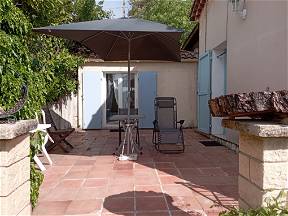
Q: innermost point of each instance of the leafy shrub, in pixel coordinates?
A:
(274, 207)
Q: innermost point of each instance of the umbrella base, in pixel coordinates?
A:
(131, 157)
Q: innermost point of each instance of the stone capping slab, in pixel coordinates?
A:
(12, 130)
(258, 128)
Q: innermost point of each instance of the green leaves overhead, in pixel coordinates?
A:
(85, 10)
(170, 12)
(43, 63)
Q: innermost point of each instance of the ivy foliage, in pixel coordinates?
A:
(36, 176)
(43, 63)
(170, 12)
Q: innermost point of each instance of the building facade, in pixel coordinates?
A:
(242, 48)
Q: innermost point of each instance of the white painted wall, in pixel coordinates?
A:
(176, 79)
(213, 23)
(65, 112)
(218, 85)
(256, 47)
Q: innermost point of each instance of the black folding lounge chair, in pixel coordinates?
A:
(8, 116)
(166, 132)
(58, 135)
(124, 111)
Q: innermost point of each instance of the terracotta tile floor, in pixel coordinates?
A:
(90, 181)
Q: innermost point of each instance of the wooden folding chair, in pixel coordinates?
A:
(58, 135)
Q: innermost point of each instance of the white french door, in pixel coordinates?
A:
(116, 93)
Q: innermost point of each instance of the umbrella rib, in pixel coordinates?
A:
(170, 40)
(140, 36)
(116, 35)
(112, 47)
(92, 36)
(176, 41)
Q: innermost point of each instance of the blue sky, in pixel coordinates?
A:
(116, 7)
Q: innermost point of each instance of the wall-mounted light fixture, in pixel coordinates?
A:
(239, 6)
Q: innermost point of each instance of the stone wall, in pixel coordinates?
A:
(15, 168)
(263, 161)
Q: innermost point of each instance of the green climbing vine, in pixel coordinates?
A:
(45, 64)
(36, 176)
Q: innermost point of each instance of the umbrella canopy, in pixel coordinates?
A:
(123, 39)
(109, 38)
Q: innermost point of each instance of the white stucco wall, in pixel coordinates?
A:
(65, 112)
(176, 79)
(213, 22)
(256, 46)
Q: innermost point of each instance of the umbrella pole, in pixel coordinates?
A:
(129, 97)
(129, 80)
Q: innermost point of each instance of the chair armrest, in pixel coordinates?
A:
(181, 122)
(155, 123)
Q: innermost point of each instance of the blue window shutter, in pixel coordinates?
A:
(147, 91)
(204, 92)
(92, 105)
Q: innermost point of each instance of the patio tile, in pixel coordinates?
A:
(153, 213)
(117, 214)
(105, 160)
(188, 213)
(212, 171)
(95, 182)
(122, 173)
(61, 194)
(84, 162)
(150, 203)
(149, 190)
(213, 180)
(77, 174)
(124, 190)
(206, 202)
(170, 180)
(160, 165)
(190, 182)
(183, 203)
(168, 171)
(123, 180)
(94, 173)
(146, 171)
(57, 169)
(91, 193)
(190, 172)
(123, 166)
(51, 208)
(177, 190)
(144, 165)
(63, 162)
(146, 180)
(70, 183)
(118, 204)
(84, 207)
(50, 182)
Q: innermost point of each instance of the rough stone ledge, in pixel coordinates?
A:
(258, 128)
(12, 130)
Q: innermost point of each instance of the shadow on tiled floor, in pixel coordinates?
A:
(90, 181)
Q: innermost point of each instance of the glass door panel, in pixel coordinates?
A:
(117, 93)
